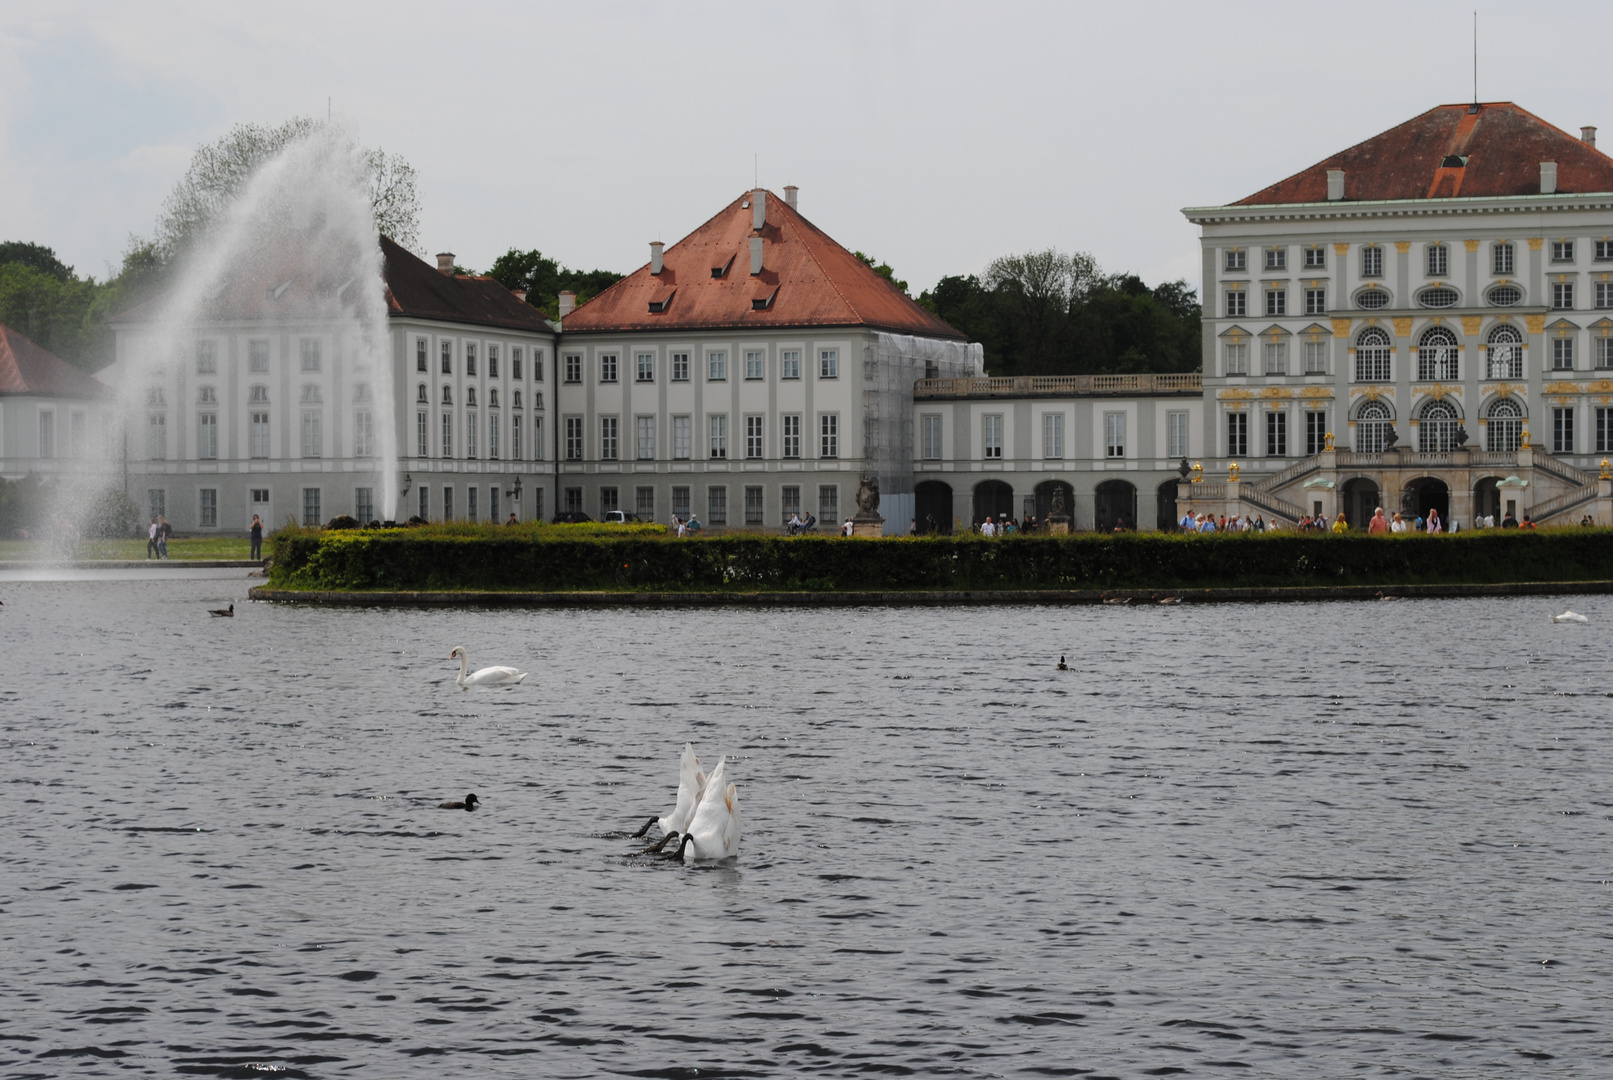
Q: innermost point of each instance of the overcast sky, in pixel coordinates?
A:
(935, 136)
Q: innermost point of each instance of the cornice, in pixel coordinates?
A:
(1397, 208)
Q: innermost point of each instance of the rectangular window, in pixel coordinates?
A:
(1562, 251)
(1604, 430)
(209, 508)
(310, 354)
(991, 437)
(470, 435)
(157, 500)
(1176, 434)
(1277, 301)
(515, 364)
(1237, 259)
(492, 362)
(1237, 434)
(493, 429)
(680, 367)
(515, 437)
(312, 437)
(645, 428)
(257, 356)
(1114, 435)
(790, 364)
(1316, 257)
(1316, 301)
(420, 358)
(260, 434)
(447, 503)
(1237, 303)
(717, 366)
(753, 437)
(753, 505)
(1562, 354)
(1237, 358)
(1604, 250)
(1604, 295)
(608, 432)
(1275, 351)
(717, 429)
(1316, 357)
(1276, 434)
(573, 368)
(1562, 296)
(364, 504)
(755, 365)
(537, 437)
(1315, 431)
(609, 501)
(448, 358)
(716, 506)
(644, 367)
(1501, 259)
(829, 364)
(1052, 436)
(1276, 258)
(422, 434)
(573, 438)
(607, 367)
(1439, 261)
(1562, 431)
(492, 492)
(447, 435)
(1604, 352)
(1372, 261)
(644, 503)
(790, 502)
(47, 434)
(425, 503)
(573, 500)
(682, 437)
(157, 436)
(828, 503)
(931, 425)
(829, 435)
(470, 358)
(311, 516)
(470, 492)
(206, 438)
(1372, 362)
(792, 435)
(680, 502)
(207, 358)
(363, 433)
(537, 365)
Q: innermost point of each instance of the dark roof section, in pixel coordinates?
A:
(27, 368)
(416, 288)
(1452, 151)
(807, 280)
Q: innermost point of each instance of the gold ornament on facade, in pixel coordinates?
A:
(1523, 439)
(1327, 441)
(1607, 470)
(1562, 388)
(1198, 473)
(1499, 389)
(1276, 392)
(1600, 386)
(1235, 394)
(1402, 246)
(1341, 327)
(1471, 245)
(1471, 323)
(1341, 249)
(1534, 243)
(1535, 323)
(1316, 392)
(1232, 472)
(1402, 327)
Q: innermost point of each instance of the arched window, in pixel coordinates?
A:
(420, 395)
(361, 392)
(1372, 353)
(492, 393)
(1437, 297)
(470, 396)
(1504, 429)
(447, 395)
(1506, 353)
(1436, 355)
(517, 402)
(1506, 296)
(1436, 429)
(208, 396)
(259, 395)
(310, 394)
(1372, 424)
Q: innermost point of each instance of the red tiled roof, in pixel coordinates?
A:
(27, 368)
(1503, 144)
(807, 280)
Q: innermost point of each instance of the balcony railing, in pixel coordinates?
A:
(1059, 385)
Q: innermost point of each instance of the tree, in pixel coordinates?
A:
(218, 169)
(882, 269)
(37, 256)
(543, 279)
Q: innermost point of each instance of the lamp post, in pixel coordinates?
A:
(514, 494)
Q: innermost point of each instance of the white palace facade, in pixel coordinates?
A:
(1422, 320)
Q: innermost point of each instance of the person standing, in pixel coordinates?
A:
(1434, 525)
(256, 533)
(1379, 524)
(512, 520)
(151, 539)
(164, 530)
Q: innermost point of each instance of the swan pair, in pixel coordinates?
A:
(487, 676)
(705, 817)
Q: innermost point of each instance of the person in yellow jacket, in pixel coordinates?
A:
(1340, 525)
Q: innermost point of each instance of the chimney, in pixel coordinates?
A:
(758, 209)
(520, 294)
(791, 192)
(755, 255)
(568, 302)
(655, 256)
(445, 261)
(1335, 185)
(1587, 135)
(1548, 178)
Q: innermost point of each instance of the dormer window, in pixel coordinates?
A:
(722, 269)
(447, 395)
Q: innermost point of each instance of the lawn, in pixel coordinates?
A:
(190, 547)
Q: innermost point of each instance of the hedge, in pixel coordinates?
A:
(544, 560)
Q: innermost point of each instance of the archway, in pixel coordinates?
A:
(1423, 495)
(1165, 502)
(933, 507)
(1360, 499)
(1116, 506)
(1044, 499)
(993, 498)
(1488, 500)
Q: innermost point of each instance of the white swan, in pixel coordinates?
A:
(691, 785)
(1569, 616)
(487, 676)
(714, 831)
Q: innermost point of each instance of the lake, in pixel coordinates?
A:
(1249, 839)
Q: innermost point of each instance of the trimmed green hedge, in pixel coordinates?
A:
(540, 559)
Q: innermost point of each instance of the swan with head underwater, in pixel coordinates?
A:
(713, 832)
(487, 676)
(691, 785)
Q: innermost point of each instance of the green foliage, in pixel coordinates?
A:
(543, 558)
(37, 256)
(544, 279)
(35, 506)
(882, 269)
(1051, 313)
(65, 315)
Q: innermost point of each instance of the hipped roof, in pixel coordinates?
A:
(30, 368)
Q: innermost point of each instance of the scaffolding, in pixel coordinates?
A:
(891, 367)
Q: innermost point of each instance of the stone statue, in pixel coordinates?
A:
(1461, 435)
(1058, 502)
(1390, 437)
(868, 496)
(1183, 469)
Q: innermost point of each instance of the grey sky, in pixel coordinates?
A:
(935, 136)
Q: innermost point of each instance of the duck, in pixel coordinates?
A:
(487, 676)
(691, 785)
(1171, 600)
(714, 831)
(1117, 600)
(469, 804)
(1062, 665)
(1570, 616)
(222, 613)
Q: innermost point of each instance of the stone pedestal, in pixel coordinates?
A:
(1058, 526)
(872, 525)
